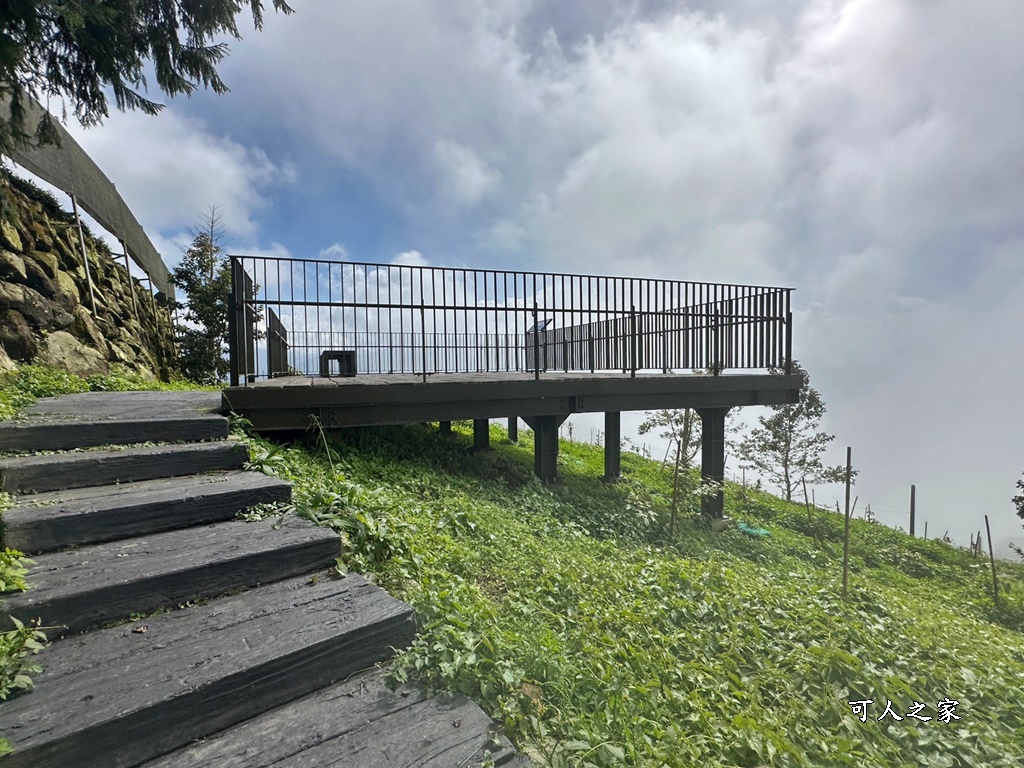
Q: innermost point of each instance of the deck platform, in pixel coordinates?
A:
(294, 403)
(287, 403)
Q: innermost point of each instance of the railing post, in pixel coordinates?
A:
(233, 325)
(423, 336)
(789, 339)
(632, 339)
(664, 344)
(536, 345)
(719, 341)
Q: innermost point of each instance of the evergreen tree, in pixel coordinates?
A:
(786, 446)
(75, 50)
(204, 275)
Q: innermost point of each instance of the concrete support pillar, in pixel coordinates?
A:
(481, 436)
(513, 429)
(712, 457)
(444, 427)
(612, 446)
(545, 445)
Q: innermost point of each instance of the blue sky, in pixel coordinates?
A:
(868, 153)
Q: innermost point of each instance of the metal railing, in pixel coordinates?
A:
(422, 320)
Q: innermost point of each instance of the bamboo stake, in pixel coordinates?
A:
(85, 255)
(846, 530)
(131, 282)
(807, 505)
(992, 559)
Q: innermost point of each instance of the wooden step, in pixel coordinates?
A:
(38, 474)
(117, 697)
(17, 436)
(114, 418)
(90, 587)
(358, 722)
(58, 519)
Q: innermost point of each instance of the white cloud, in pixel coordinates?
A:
(503, 236)
(334, 252)
(465, 178)
(171, 168)
(410, 259)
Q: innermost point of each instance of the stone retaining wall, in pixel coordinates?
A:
(46, 312)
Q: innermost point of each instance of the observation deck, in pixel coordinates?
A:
(354, 344)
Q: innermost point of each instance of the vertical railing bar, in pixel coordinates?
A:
(536, 342)
(751, 329)
(423, 329)
(497, 326)
(447, 305)
(341, 337)
(789, 334)
(233, 325)
(465, 316)
(504, 298)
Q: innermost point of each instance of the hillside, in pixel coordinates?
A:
(595, 641)
(567, 614)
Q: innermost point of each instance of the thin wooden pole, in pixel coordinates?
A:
(807, 504)
(85, 256)
(913, 501)
(992, 559)
(846, 529)
(131, 282)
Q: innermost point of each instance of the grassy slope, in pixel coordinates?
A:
(568, 614)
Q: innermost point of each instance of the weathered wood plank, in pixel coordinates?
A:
(404, 399)
(114, 698)
(125, 405)
(48, 521)
(357, 722)
(297, 418)
(59, 435)
(437, 733)
(36, 474)
(85, 588)
(455, 388)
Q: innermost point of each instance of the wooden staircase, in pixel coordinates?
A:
(187, 637)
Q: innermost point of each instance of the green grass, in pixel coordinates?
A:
(595, 641)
